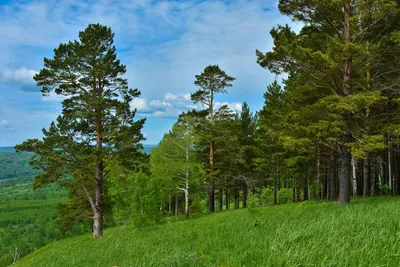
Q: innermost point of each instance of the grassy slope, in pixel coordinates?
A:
(365, 233)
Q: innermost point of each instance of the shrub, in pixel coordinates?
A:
(253, 201)
(285, 195)
(267, 196)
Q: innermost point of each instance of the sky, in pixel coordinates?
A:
(164, 44)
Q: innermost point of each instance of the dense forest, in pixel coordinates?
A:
(328, 131)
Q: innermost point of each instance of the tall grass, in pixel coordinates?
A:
(364, 233)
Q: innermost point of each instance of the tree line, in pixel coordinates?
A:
(328, 131)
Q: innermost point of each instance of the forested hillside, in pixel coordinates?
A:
(13, 165)
(27, 216)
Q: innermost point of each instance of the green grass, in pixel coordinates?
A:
(364, 233)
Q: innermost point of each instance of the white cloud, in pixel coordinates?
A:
(4, 123)
(140, 104)
(172, 105)
(21, 78)
(235, 106)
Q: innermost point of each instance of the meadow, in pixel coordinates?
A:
(363, 233)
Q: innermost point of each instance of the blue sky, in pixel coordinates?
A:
(164, 44)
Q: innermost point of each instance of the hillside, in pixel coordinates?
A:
(13, 165)
(364, 233)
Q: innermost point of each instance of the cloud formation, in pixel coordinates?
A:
(164, 44)
(172, 105)
(21, 78)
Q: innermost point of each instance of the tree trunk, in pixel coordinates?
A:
(278, 173)
(366, 174)
(98, 210)
(211, 205)
(187, 197)
(170, 205)
(332, 177)
(344, 179)
(306, 196)
(396, 170)
(176, 205)
(245, 193)
(354, 175)
(186, 189)
(227, 200)
(220, 198)
(236, 198)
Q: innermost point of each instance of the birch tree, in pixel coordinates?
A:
(174, 161)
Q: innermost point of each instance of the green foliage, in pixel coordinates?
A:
(267, 196)
(136, 200)
(212, 81)
(285, 195)
(145, 202)
(199, 205)
(253, 201)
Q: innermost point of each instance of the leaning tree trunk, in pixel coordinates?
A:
(344, 178)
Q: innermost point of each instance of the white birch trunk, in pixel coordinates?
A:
(353, 169)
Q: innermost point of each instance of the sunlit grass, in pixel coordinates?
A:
(364, 233)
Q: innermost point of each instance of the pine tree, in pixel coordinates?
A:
(97, 123)
(211, 81)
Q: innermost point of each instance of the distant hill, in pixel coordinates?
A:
(148, 148)
(7, 149)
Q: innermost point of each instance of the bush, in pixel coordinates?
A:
(253, 201)
(285, 195)
(267, 196)
(199, 206)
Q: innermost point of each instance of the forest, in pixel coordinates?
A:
(328, 131)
